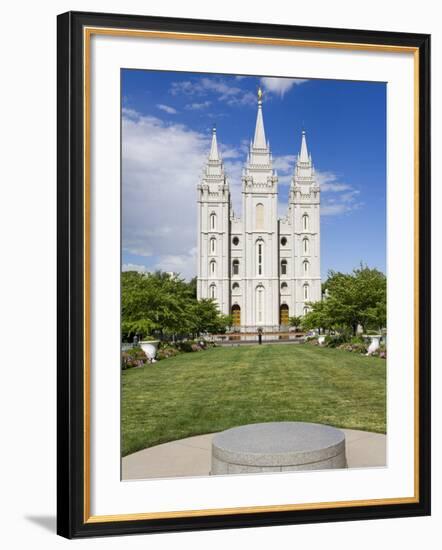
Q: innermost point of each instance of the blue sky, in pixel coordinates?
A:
(166, 125)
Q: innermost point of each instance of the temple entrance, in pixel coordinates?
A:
(284, 315)
(236, 315)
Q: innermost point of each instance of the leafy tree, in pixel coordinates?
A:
(295, 322)
(206, 316)
(317, 317)
(357, 298)
(192, 286)
(157, 302)
(224, 322)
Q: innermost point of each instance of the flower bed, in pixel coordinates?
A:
(354, 348)
(168, 349)
(354, 344)
(133, 357)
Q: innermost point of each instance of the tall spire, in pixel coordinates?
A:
(214, 155)
(304, 173)
(260, 139)
(214, 169)
(303, 156)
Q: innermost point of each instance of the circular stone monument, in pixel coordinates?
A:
(278, 447)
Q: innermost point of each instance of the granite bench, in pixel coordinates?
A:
(278, 447)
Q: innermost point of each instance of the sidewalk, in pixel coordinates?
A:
(191, 456)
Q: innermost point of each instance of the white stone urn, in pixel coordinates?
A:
(321, 339)
(375, 342)
(150, 349)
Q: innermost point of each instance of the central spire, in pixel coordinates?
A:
(259, 141)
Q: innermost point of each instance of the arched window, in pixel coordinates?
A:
(212, 245)
(259, 216)
(212, 267)
(306, 291)
(235, 267)
(306, 265)
(283, 241)
(305, 310)
(213, 220)
(283, 267)
(235, 241)
(305, 222)
(213, 291)
(284, 286)
(235, 286)
(305, 246)
(259, 257)
(260, 304)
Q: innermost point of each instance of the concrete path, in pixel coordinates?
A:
(191, 456)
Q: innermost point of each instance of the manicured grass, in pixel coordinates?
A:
(203, 392)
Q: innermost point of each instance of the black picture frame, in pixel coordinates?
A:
(73, 521)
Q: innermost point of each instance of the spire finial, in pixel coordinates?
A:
(303, 155)
(259, 141)
(214, 155)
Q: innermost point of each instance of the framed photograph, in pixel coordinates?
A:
(243, 274)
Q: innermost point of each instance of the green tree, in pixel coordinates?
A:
(295, 322)
(155, 301)
(357, 298)
(192, 286)
(206, 316)
(317, 317)
(158, 302)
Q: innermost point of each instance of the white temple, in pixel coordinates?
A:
(260, 269)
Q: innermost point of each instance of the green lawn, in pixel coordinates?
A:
(203, 392)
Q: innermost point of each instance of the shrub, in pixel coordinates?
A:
(166, 352)
(185, 346)
(336, 340)
(355, 348)
(359, 348)
(167, 349)
(133, 357)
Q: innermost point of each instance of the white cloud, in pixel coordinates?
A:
(280, 86)
(130, 113)
(231, 95)
(162, 164)
(329, 182)
(198, 106)
(284, 164)
(167, 109)
(336, 197)
(135, 267)
(185, 87)
(185, 263)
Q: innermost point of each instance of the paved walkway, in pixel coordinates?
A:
(191, 456)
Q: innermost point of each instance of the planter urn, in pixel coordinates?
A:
(150, 348)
